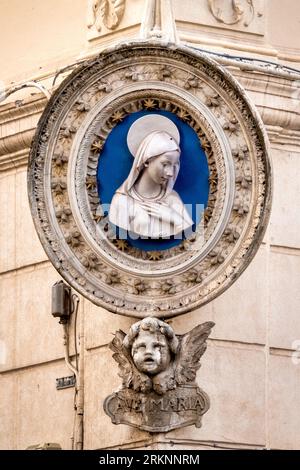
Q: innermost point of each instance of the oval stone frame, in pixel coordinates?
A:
(63, 188)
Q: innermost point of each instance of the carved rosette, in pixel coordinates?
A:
(62, 182)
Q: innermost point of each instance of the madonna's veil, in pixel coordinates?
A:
(156, 143)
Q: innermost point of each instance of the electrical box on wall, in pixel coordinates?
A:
(61, 301)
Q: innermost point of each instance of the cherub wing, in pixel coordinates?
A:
(192, 347)
(120, 356)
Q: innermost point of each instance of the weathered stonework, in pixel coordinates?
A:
(158, 371)
(62, 185)
(249, 370)
(105, 14)
(239, 14)
(177, 408)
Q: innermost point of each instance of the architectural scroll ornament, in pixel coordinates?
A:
(232, 12)
(105, 12)
(158, 371)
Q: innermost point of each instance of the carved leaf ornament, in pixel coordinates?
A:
(72, 221)
(106, 12)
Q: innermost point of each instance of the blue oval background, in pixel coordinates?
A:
(192, 183)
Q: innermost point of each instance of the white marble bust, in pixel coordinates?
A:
(146, 203)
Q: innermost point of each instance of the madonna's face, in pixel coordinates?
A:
(164, 167)
(150, 352)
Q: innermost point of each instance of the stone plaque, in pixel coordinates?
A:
(158, 371)
(154, 413)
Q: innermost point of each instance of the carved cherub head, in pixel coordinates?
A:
(152, 345)
(152, 357)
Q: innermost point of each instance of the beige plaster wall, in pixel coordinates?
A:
(250, 371)
(38, 36)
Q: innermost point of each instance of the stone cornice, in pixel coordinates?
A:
(14, 160)
(288, 140)
(18, 122)
(240, 46)
(17, 118)
(277, 99)
(16, 142)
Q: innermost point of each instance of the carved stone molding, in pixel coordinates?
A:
(284, 139)
(20, 111)
(104, 13)
(66, 206)
(17, 127)
(14, 160)
(247, 16)
(18, 119)
(238, 12)
(158, 21)
(16, 142)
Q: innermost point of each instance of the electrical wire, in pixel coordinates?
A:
(248, 59)
(242, 59)
(16, 88)
(64, 69)
(75, 299)
(67, 356)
